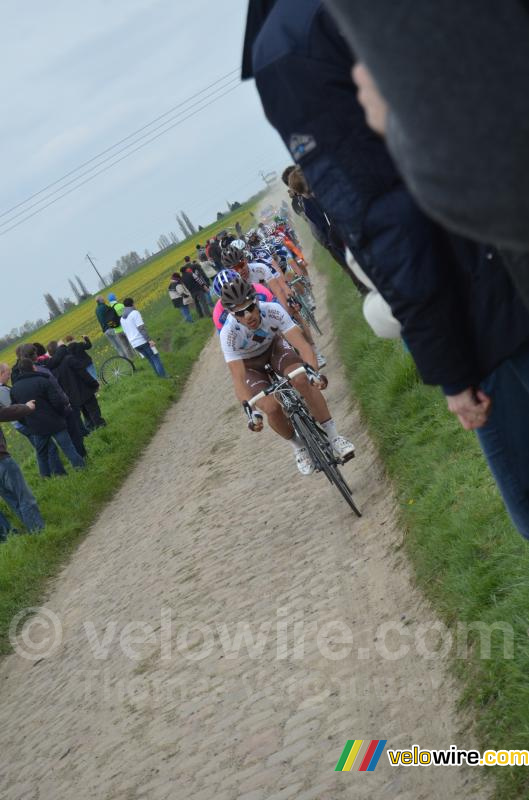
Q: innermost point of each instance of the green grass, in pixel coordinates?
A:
(133, 409)
(468, 558)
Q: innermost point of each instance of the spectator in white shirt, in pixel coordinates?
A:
(136, 332)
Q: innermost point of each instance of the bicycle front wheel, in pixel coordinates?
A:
(322, 456)
(308, 314)
(115, 368)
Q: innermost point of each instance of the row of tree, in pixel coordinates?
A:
(124, 265)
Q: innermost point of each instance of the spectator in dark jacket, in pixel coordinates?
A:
(180, 297)
(457, 120)
(55, 466)
(196, 288)
(13, 488)
(79, 386)
(213, 252)
(48, 422)
(460, 314)
(79, 351)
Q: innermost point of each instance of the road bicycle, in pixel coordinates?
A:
(309, 431)
(302, 300)
(115, 368)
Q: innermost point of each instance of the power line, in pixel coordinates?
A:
(125, 138)
(117, 161)
(232, 81)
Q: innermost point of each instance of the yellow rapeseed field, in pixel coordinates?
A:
(148, 283)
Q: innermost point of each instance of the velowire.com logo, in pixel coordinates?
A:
(366, 753)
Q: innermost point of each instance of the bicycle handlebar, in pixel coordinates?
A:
(265, 392)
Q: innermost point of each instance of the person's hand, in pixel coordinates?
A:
(152, 343)
(472, 407)
(256, 422)
(31, 404)
(319, 381)
(371, 99)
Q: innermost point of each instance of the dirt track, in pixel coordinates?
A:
(216, 529)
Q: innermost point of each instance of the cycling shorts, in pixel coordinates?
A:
(281, 357)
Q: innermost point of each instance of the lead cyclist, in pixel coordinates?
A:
(256, 334)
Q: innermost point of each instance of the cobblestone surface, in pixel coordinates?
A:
(206, 630)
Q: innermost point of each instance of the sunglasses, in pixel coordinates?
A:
(243, 311)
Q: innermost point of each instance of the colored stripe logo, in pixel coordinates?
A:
(351, 752)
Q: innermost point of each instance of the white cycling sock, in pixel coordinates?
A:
(330, 429)
(295, 443)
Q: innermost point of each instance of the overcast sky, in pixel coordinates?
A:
(76, 78)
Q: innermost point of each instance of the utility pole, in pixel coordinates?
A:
(96, 270)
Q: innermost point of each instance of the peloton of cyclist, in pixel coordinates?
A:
(256, 334)
(235, 257)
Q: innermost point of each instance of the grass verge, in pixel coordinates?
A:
(468, 559)
(133, 410)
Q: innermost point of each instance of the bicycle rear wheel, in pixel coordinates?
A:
(322, 455)
(115, 368)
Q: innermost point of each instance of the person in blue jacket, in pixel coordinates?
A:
(461, 318)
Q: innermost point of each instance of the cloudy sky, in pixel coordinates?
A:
(77, 78)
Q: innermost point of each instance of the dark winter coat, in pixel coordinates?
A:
(48, 417)
(73, 377)
(78, 351)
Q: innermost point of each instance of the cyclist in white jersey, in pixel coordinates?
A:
(234, 257)
(256, 334)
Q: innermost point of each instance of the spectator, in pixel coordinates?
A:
(13, 487)
(238, 230)
(119, 308)
(461, 144)
(110, 323)
(180, 297)
(79, 351)
(48, 422)
(214, 253)
(195, 288)
(55, 466)
(200, 276)
(40, 350)
(201, 252)
(80, 388)
(138, 337)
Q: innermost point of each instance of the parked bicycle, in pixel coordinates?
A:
(115, 368)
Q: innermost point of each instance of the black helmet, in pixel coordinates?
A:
(236, 292)
(231, 255)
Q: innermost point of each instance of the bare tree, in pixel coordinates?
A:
(163, 241)
(84, 291)
(190, 226)
(75, 290)
(53, 306)
(173, 237)
(182, 226)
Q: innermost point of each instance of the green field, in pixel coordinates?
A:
(145, 285)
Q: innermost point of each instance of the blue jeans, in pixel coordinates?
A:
(91, 369)
(153, 359)
(18, 496)
(505, 438)
(54, 464)
(186, 313)
(62, 438)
